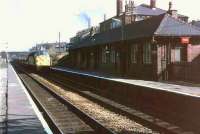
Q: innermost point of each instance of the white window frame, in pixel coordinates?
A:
(106, 54)
(134, 53)
(147, 58)
(177, 59)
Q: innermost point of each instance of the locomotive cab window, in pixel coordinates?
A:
(42, 53)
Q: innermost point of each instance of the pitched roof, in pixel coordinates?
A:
(196, 23)
(170, 26)
(163, 25)
(144, 9)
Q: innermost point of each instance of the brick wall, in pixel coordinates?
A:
(190, 69)
(193, 53)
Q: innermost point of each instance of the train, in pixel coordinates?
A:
(38, 60)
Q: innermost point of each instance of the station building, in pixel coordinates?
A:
(160, 46)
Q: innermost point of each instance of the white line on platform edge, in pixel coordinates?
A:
(39, 115)
(136, 84)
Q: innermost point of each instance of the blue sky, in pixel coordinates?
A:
(24, 23)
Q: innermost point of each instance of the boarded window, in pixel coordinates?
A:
(134, 53)
(147, 54)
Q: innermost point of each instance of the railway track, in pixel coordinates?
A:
(64, 85)
(145, 119)
(114, 123)
(63, 117)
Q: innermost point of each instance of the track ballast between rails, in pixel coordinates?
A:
(96, 126)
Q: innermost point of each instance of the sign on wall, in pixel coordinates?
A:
(185, 40)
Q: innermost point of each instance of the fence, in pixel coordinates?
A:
(185, 71)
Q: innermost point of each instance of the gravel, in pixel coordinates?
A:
(114, 121)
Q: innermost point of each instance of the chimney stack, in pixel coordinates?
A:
(153, 3)
(170, 6)
(126, 7)
(104, 17)
(129, 7)
(119, 7)
(172, 12)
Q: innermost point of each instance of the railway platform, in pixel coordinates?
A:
(3, 85)
(18, 113)
(177, 104)
(178, 87)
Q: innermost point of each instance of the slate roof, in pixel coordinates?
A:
(196, 23)
(174, 27)
(144, 9)
(163, 26)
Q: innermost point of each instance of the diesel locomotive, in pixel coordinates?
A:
(38, 60)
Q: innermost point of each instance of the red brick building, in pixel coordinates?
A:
(158, 47)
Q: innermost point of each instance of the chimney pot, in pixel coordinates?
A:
(104, 17)
(153, 3)
(170, 6)
(172, 12)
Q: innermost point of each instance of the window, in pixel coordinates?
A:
(177, 55)
(115, 24)
(105, 54)
(147, 53)
(134, 53)
(140, 18)
(113, 58)
(79, 57)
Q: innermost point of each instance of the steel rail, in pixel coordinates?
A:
(96, 125)
(68, 83)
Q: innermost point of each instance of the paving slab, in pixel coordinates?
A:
(3, 87)
(22, 117)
